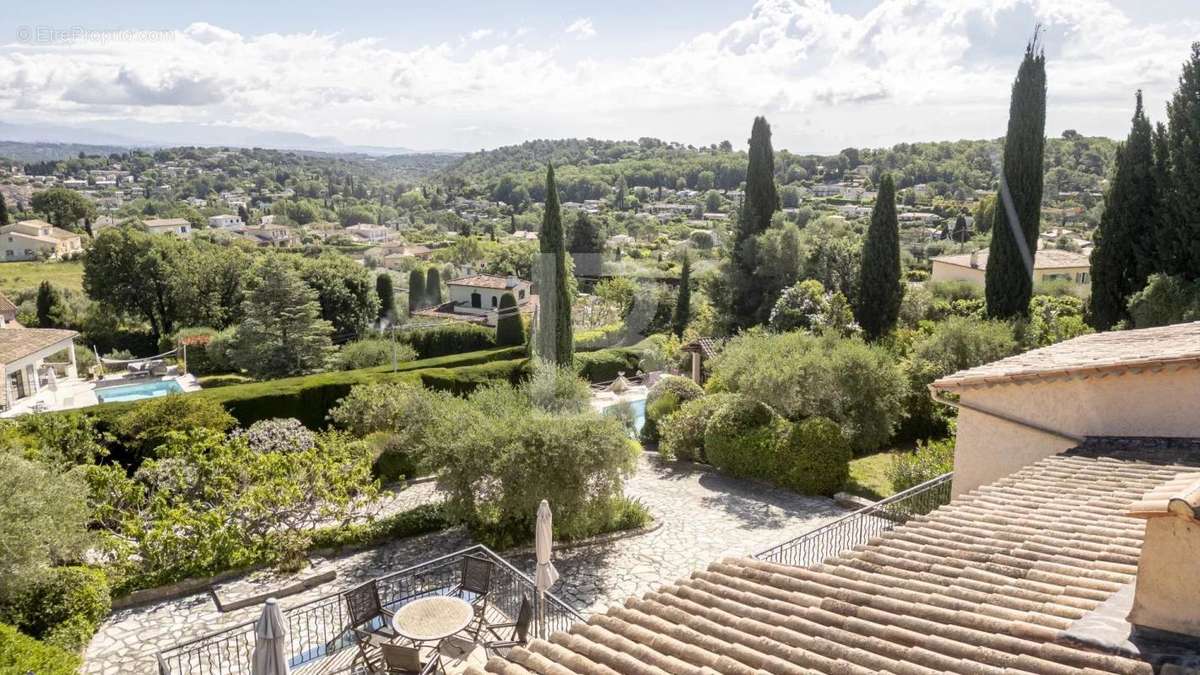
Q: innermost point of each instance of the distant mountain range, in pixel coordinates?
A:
(128, 134)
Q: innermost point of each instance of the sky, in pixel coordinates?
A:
(457, 75)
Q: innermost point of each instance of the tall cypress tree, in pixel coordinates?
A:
(759, 204)
(1009, 279)
(510, 329)
(433, 286)
(879, 291)
(1165, 247)
(683, 301)
(1125, 251)
(387, 296)
(3, 211)
(1183, 142)
(416, 290)
(555, 339)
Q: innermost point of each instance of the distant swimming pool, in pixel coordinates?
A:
(638, 406)
(133, 392)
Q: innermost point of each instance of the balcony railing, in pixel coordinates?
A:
(315, 628)
(858, 528)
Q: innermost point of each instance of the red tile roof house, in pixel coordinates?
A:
(476, 298)
(1074, 549)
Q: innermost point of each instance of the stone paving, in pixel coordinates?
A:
(704, 516)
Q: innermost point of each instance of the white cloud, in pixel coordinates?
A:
(581, 28)
(905, 70)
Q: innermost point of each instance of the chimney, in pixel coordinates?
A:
(1167, 597)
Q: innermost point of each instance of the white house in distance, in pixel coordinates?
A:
(33, 239)
(476, 298)
(178, 227)
(226, 222)
(369, 233)
(1050, 264)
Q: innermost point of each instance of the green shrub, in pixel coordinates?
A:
(664, 398)
(420, 520)
(608, 335)
(742, 438)
(146, 425)
(214, 381)
(194, 342)
(928, 461)
(1165, 300)
(800, 375)
(815, 459)
(455, 337)
(406, 423)
(578, 462)
(64, 607)
(21, 654)
(605, 365)
(373, 352)
(554, 389)
(682, 432)
(510, 325)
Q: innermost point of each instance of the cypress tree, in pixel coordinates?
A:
(3, 211)
(880, 292)
(47, 304)
(1125, 251)
(760, 203)
(962, 231)
(387, 296)
(510, 329)
(555, 340)
(683, 301)
(1183, 142)
(433, 286)
(416, 290)
(1165, 248)
(622, 189)
(1009, 278)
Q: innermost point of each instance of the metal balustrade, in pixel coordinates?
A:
(859, 527)
(315, 628)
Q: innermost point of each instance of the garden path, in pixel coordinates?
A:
(704, 515)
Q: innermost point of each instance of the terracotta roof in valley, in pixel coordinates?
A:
(484, 281)
(1044, 259)
(986, 584)
(16, 343)
(1177, 345)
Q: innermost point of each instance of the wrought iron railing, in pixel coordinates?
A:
(316, 628)
(857, 528)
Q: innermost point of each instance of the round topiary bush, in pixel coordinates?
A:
(742, 438)
(815, 459)
(682, 432)
(664, 398)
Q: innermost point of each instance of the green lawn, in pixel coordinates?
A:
(868, 474)
(19, 276)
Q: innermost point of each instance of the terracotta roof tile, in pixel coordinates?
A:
(1098, 353)
(987, 584)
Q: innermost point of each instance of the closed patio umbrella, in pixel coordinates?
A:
(546, 574)
(270, 641)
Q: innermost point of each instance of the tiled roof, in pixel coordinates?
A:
(1177, 345)
(1180, 496)
(987, 584)
(165, 222)
(19, 342)
(483, 281)
(1044, 259)
(708, 347)
(6, 305)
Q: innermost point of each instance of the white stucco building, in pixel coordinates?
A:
(226, 222)
(25, 365)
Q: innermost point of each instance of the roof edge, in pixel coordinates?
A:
(950, 382)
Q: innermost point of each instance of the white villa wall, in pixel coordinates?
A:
(1164, 403)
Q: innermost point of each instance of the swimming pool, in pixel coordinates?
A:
(637, 406)
(133, 392)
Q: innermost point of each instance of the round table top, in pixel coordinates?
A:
(432, 618)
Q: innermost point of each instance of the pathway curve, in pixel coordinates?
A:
(704, 515)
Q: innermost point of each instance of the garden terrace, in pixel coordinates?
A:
(317, 644)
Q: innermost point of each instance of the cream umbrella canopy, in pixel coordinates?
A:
(546, 574)
(270, 641)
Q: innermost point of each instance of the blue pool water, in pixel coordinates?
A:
(639, 412)
(133, 392)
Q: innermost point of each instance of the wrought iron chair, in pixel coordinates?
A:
(369, 619)
(474, 586)
(518, 633)
(397, 659)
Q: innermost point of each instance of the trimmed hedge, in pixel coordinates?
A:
(816, 457)
(309, 398)
(682, 432)
(420, 520)
(664, 398)
(20, 653)
(456, 337)
(742, 438)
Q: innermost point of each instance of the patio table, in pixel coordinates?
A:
(432, 619)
